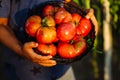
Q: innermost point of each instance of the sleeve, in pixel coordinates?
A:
(4, 8)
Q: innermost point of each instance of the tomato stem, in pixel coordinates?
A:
(72, 42)
(44, 22)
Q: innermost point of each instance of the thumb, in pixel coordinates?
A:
(31, 44)
(90, 13)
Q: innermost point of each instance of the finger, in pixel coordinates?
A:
(90, 13)
(47, 63)
(28, 49)
(38, 57)
(32, 55)
(31, 44)
(95, 23)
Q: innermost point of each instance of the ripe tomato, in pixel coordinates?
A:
(47, 49)
(46, 35)
(34, 18)
(48, 21)
(68, 17)
(56, 39)
(76, 18)
(47, 32)
(62, 16)
(66, 31)
(66, 50)
(48, 10)
(74, 48)
(80, 44)
(32, 25)
(84, 27)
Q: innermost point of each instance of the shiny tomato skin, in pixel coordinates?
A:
(66, 50)
(48, 21)
(59, 16)
(48, 10)
(80, 46)
(31, 28)
(56, 39)
(34, 18)
(47, 49)
(32, 24)
(76, 18)
(68, 17)
(62, 16)
(46, 35)
(72, 49)
(66, 31)
(84, 27)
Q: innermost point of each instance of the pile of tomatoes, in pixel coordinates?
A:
(59, 32)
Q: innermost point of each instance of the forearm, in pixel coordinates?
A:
(9, 40)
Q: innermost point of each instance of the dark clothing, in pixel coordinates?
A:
(16, 67)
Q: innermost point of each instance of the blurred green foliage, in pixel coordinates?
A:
(98, 7)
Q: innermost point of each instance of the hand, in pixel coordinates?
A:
(90, 15)
(29, 53)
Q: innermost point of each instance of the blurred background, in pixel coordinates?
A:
(103, 62)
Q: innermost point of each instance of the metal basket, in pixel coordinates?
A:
(71, 7)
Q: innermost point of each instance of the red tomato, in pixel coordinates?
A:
(76, 47)
(66, 31)
(47, 49)
(80, 45)
(68, 17)
(32, 25)
(66, 50)
(76, 18)
(84, 27)
(62, 16)
(48, 10)
(47, 32)
(48, 21)
(46, 35)
(56, 39)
